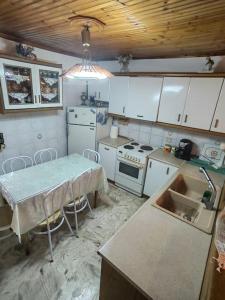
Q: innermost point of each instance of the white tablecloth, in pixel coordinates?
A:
(21, 188)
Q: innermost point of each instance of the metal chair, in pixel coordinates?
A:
(53, 201)
(44, 155)
(80, 200)
(10, 165)
(92, 155)
(16, 163)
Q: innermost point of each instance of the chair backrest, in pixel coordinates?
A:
(92, 155)
(81, 185)
(55, 198)
(16, 163)
(44, 155)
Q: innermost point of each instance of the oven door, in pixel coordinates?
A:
(130, 170)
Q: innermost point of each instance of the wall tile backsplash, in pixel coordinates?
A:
(24, 133)
(158, 136)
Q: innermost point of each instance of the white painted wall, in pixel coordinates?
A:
(189, 64)
(21, 130)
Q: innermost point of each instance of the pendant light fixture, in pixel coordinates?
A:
(87, 70)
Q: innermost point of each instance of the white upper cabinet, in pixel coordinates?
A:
(143, 98)
(218, 123)
(201, 102)
(118, 94)
(172, 101)
(99, 89)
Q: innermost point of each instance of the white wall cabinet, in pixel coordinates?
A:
(218, 123)
(29, 86)
(108, 160)
(158, 173)
(143, 98)
(201, 102)
(118, 95)
(99, 89)
(172, 101)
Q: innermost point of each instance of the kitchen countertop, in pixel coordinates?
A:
(114, 142)
(163, 256)
(166, 157)
(188, 168)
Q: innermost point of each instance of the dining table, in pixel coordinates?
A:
(20, 188)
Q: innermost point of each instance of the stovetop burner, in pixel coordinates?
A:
(140, 151)
(147, 148)
(128, 147)
(134, 144)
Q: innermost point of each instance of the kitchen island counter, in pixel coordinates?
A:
(162, 256)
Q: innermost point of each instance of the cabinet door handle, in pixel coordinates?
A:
(39, 98)
(216, 123)
(185, 119)
(106, 149)
(178, 119)
(123, 109)
(167, 171)
(99, 95)
(139, 116)
(150, 164)
(35, 99)
(91, 128)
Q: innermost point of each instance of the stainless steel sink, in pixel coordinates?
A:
(182, 199)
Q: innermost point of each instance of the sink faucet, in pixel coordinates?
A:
(209, 202)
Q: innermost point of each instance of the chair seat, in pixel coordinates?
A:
(51, 219)
(6, 227)
(77, 201)
(80, 205)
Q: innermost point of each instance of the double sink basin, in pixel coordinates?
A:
(182, 199)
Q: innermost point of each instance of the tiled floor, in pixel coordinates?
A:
(75, 272)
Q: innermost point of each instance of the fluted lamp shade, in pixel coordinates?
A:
(87, 71)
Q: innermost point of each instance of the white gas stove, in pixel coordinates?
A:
(131, 164)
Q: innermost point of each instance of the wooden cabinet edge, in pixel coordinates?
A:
(115, 285)
(179, 127)
(34, 62)
(170, 74)
(9, 111)
(213, 287)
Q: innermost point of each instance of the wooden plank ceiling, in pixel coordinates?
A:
(144, 28)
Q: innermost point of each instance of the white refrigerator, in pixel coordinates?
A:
(86, 126)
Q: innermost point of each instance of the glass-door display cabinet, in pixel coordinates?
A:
(29, 86)
(49, 86)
